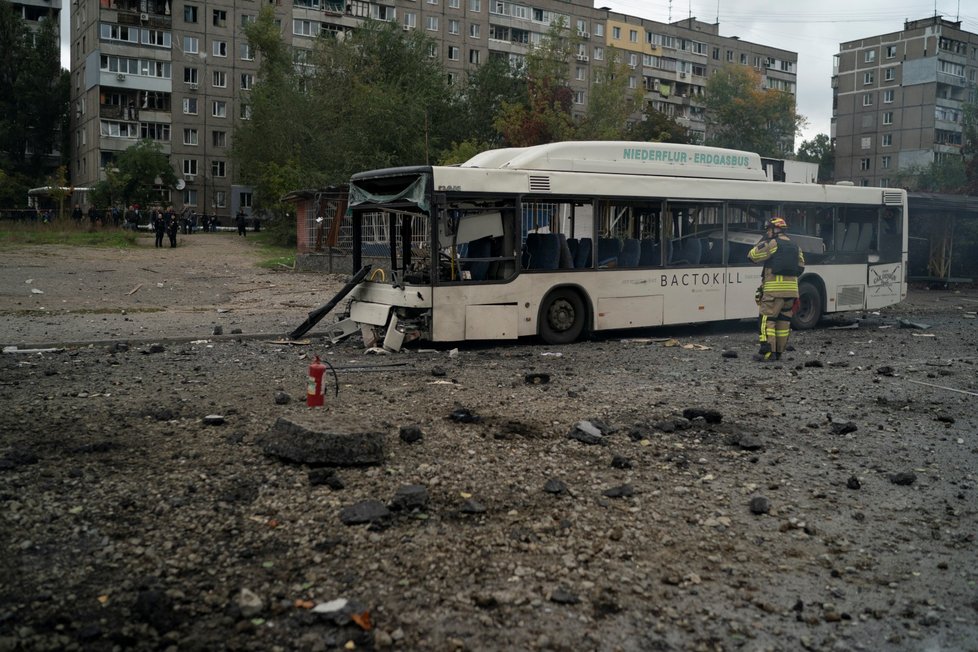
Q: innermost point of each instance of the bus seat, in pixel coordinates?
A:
(481, 248)
(650, 254)
(608, 251)
(583, 257)
(630, 253)
(543, 250)
(573, 244)
(565, 258)
(693, 251)
(852, 237)
(839, 236)
(711, 251)
(865, 237)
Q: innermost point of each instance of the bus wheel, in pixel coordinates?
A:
(562, 320)
(810, 311)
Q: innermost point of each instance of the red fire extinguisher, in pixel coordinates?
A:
(314, 390)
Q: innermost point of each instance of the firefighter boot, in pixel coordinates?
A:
(764, 354)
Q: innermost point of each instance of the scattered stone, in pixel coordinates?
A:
(554, 486)
(818, 364)
(366, 511)
(944, 418)
(249, 603)
(619, 462)
(536, 379)
(411, 496)
(464, 415)
(640, 432)
(154, 348)
(305, 444)
(118, 347)
(218, 329)
(886, 371)
(746, 441)
(760, 505)
(214, 420)
(587, 433)
(21, 456)
(560, 595)
(410, 434)
(904, 478)
(853, 483)
(621, 491)
(235, 331)
(438, 372)
(472, 506)
(843, 428)
(906, 323)
(282, 398)
(729, 354)
(326, 477)
(156, 609)
(710, 416)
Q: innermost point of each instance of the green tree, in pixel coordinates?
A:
(33, 94)
(609, 102)
(946, 175)
(969, 145)
(657, 127)
(742, 115)
(819, 150)
(546, 115)
(135, 177)
(486, 89)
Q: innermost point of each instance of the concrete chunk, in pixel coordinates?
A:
(306, 444)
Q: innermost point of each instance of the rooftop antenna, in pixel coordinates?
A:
(718, 11)
(689, 9)
(670, 11)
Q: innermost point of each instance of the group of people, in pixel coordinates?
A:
(187, 221)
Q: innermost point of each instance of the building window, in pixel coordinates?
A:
(220, 49)
(247, 81)
(869, 56)
(743, 58)
(888, 97)
(244, 111)
(220, 199)
(190, 106)
(475, 5)
(189, 75)
(598, 54)
(888, 117)
(189, 136)
(474, 56)
(453, 53)
(581, 74)
(220, 79)
(885, 162)
(219, 18)
(247, 54)
(475, 30)
(868, 99)
(616, 33)
(190, 166)
(886, 140)
(864, 164)
(244, 199)
(453, 26)
(189, 197)
(219, 109)
(578, 97)
(431, 23)
(598, 29)
(729, 55)
(633, 35)
(865, 142)
(868, 77)
(191, 45)
(884, 183)
(190, 13)
(219, 138)
(218, 169)
(891, 51)
(889, 74)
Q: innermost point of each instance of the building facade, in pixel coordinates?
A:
(898, 99)
(180, 73)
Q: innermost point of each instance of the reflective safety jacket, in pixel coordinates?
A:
(781, 272)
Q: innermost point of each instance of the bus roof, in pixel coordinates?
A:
(626, 157)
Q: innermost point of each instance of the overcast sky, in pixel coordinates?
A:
(813, 29)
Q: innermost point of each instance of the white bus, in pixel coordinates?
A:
(563, 239)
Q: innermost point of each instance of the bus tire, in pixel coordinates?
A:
(562, 317)
(810, 309)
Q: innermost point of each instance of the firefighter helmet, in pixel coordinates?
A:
(776, 223)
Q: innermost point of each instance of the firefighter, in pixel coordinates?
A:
(777, 298)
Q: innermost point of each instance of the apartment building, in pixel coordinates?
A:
(32, 12)
(179, 73)
(898, 98)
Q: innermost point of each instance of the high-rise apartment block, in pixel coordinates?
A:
(179, 72)
(898, 99)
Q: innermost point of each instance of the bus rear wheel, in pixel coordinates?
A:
(562, 319)
(810, 309)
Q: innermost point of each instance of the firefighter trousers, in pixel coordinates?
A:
(775, 322)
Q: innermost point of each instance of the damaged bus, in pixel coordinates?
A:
(563, 239)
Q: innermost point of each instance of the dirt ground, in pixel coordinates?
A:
(708, 503)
